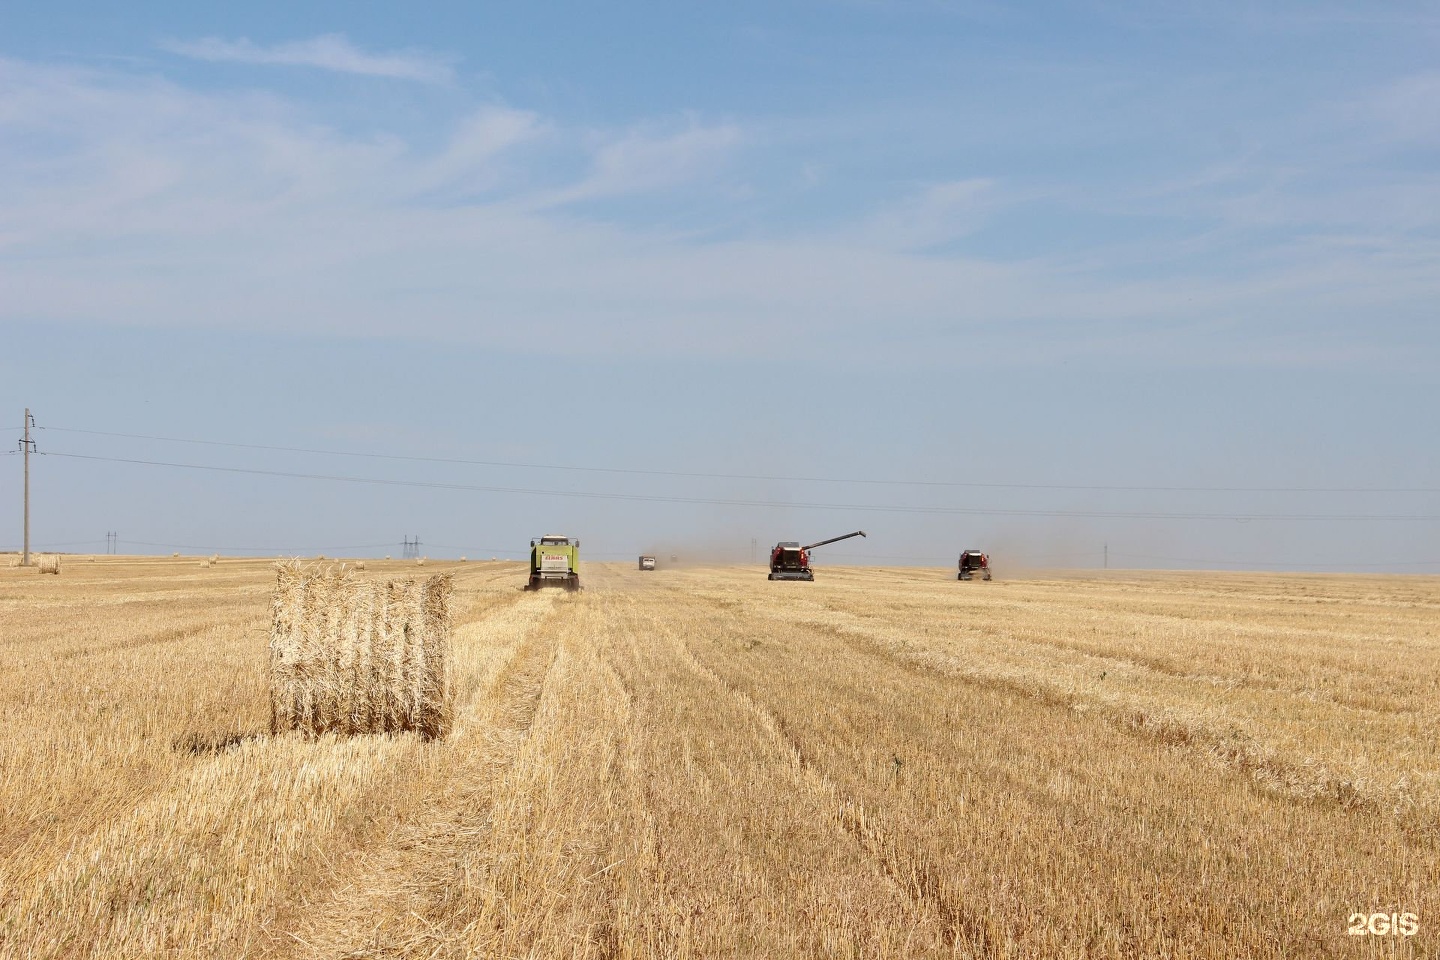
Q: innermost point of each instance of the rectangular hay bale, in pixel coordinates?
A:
(354, 656)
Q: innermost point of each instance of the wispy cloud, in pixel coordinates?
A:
(184, 207)
(939, 213)
(1408, 110)
(467, 165)
(647, 161)
(332, 51)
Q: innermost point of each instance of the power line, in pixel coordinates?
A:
(1278, 563)
(744, 476)
(1024, 558)
(277, 550)
(873, 508)
(480, 550)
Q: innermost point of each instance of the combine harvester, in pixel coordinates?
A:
(790, 561)
(554, 562)
(973, 562)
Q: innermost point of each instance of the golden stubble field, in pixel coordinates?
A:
(701, 763)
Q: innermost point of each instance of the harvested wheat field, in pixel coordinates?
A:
(701, 763)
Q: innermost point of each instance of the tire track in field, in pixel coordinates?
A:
(1233, 748)
(919, 890)
(1238, 638)
(151, 639)
(38, 844)
(919, 883)
(162, 761)
(316, 868)
(865, 829)
(409, 873)
(980, 917)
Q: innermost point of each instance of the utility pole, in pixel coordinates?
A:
(26, 445)
(112, 540)
(752, 549)
(1107, 555)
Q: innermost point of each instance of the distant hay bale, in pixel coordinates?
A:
(354, 656)
(49, 564)
(214, 558)
(175, 554)
(204, 563)
(462, 560)
(419, 561)
(359, 564)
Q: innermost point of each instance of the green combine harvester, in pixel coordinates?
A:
(554, 562)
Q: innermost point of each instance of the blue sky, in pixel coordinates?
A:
(1065, 259)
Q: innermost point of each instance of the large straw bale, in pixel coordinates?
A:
(350, 655)
(49, 564)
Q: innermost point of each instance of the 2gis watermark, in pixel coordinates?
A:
(1383, 925)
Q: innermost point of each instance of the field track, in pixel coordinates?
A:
(697, 762)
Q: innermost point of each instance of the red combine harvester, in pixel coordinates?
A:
(790, 561)
(973, 562)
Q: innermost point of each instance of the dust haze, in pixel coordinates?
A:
(682, 552)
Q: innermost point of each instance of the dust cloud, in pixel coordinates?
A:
(702, 553)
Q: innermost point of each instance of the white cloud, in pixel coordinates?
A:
(135, 201)
(1408, 110)
(467, 164)
(332, 51)
(940, 213)
(642, 161)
